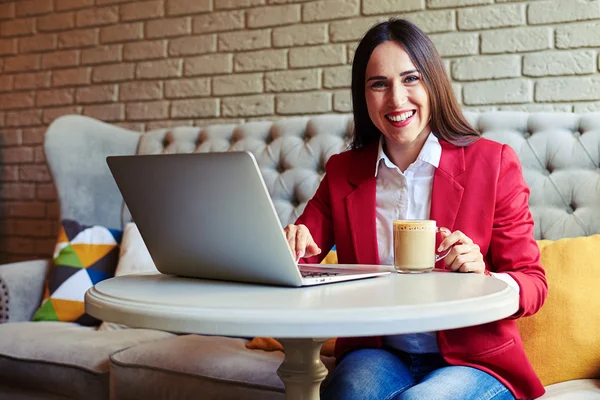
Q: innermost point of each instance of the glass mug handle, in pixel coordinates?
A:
(439, 257)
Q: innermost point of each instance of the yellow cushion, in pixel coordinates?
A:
(562, 340)
(270, 344)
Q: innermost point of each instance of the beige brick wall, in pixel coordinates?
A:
(155, 63)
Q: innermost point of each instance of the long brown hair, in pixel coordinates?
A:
(447, 120)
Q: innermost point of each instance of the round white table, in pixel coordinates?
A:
(303, 318)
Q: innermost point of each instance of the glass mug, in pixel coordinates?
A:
(414, 246)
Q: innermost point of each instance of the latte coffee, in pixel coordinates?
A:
(414, 245)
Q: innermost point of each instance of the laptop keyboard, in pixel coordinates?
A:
(317, 274)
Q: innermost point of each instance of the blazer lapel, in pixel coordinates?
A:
(447, 192)
(360, 206)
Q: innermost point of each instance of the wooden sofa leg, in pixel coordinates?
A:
(302, 370)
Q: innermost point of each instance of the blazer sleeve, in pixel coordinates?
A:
(318, 219)
(513, 247)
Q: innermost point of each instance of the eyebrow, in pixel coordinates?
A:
(380, 77)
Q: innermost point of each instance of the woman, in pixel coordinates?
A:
(414, 156)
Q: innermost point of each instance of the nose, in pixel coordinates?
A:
(397, 96)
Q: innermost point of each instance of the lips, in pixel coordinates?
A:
(399, 119)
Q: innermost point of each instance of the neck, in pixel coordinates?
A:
(404, 154)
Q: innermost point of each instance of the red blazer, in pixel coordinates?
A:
(479, 190)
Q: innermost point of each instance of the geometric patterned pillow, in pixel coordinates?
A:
(84, 256)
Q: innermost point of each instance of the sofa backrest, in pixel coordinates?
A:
(559, 152)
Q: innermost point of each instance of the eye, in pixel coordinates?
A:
(378, 84)
(411, 79)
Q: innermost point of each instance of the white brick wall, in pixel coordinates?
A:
(159, 63)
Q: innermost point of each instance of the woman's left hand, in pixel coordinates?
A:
(465, 256)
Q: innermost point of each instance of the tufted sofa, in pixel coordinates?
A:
(560, 154)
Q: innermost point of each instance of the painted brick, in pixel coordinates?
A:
(34, 135)
(498, 16)
(578, 35)
(559, 63)
(39, 42)
(50, 114)
(97, 16)
(149, 90)
(237, 84)
(72, 77)
(24, 118)
(168, 124)
(330, 9)
(568, 89)
(6, 83)
(456, 44)
(8, 46)
(78, 38)
(192, 45)
(106, 112)
(168, 27)
(351, 29)
(10, 137)
(102, 55)
(208, 65)
(336, 77)
(7, 11)
(500, 91)
(300, 35)
(122, 33)
(23, 63)
(303, 103)
(248, 106)
(273, 16)
(550, 12)
(486, 67)
(515, 40)
(34, 173)
(244, 40)
(55, 97)
(146, 50)
(182, 88)
(17, 27)
(218, 21)
(113, 73)
(60, 59)
(456, 3)
(236, 4)
(196, 108)
(318, 55)
(586, 107)
(180, 7)
(56, 22)
(142, 10)
(11, 101)
(33, 7)
(170, 68)
(96, 94)
(149, 110)
(263, 60)
(65, 5)
(431, 21)
(537, 107)
(370, 7)
(292, 81)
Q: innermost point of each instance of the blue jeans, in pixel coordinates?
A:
(387, 374)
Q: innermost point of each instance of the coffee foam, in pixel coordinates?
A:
(414, 226)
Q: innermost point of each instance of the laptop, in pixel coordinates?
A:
(209, 215)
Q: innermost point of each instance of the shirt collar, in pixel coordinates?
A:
(431, 153)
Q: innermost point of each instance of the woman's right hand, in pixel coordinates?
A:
(301, 241)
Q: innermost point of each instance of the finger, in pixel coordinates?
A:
(454, 237)
(302, 236)
(462, 259)
(290, 236)
(474, 267)
(312, 249)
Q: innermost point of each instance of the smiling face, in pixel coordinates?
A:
(396, 97)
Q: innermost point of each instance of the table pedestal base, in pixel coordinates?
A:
(302, 370)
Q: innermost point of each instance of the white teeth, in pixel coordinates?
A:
(402, 117)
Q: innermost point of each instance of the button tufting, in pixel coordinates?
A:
(570, 210)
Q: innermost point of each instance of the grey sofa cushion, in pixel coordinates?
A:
(580, 389)
(193, 366)
(63, 358)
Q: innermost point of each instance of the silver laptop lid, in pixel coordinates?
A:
(206, 215)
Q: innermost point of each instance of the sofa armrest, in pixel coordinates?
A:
(21, 289)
